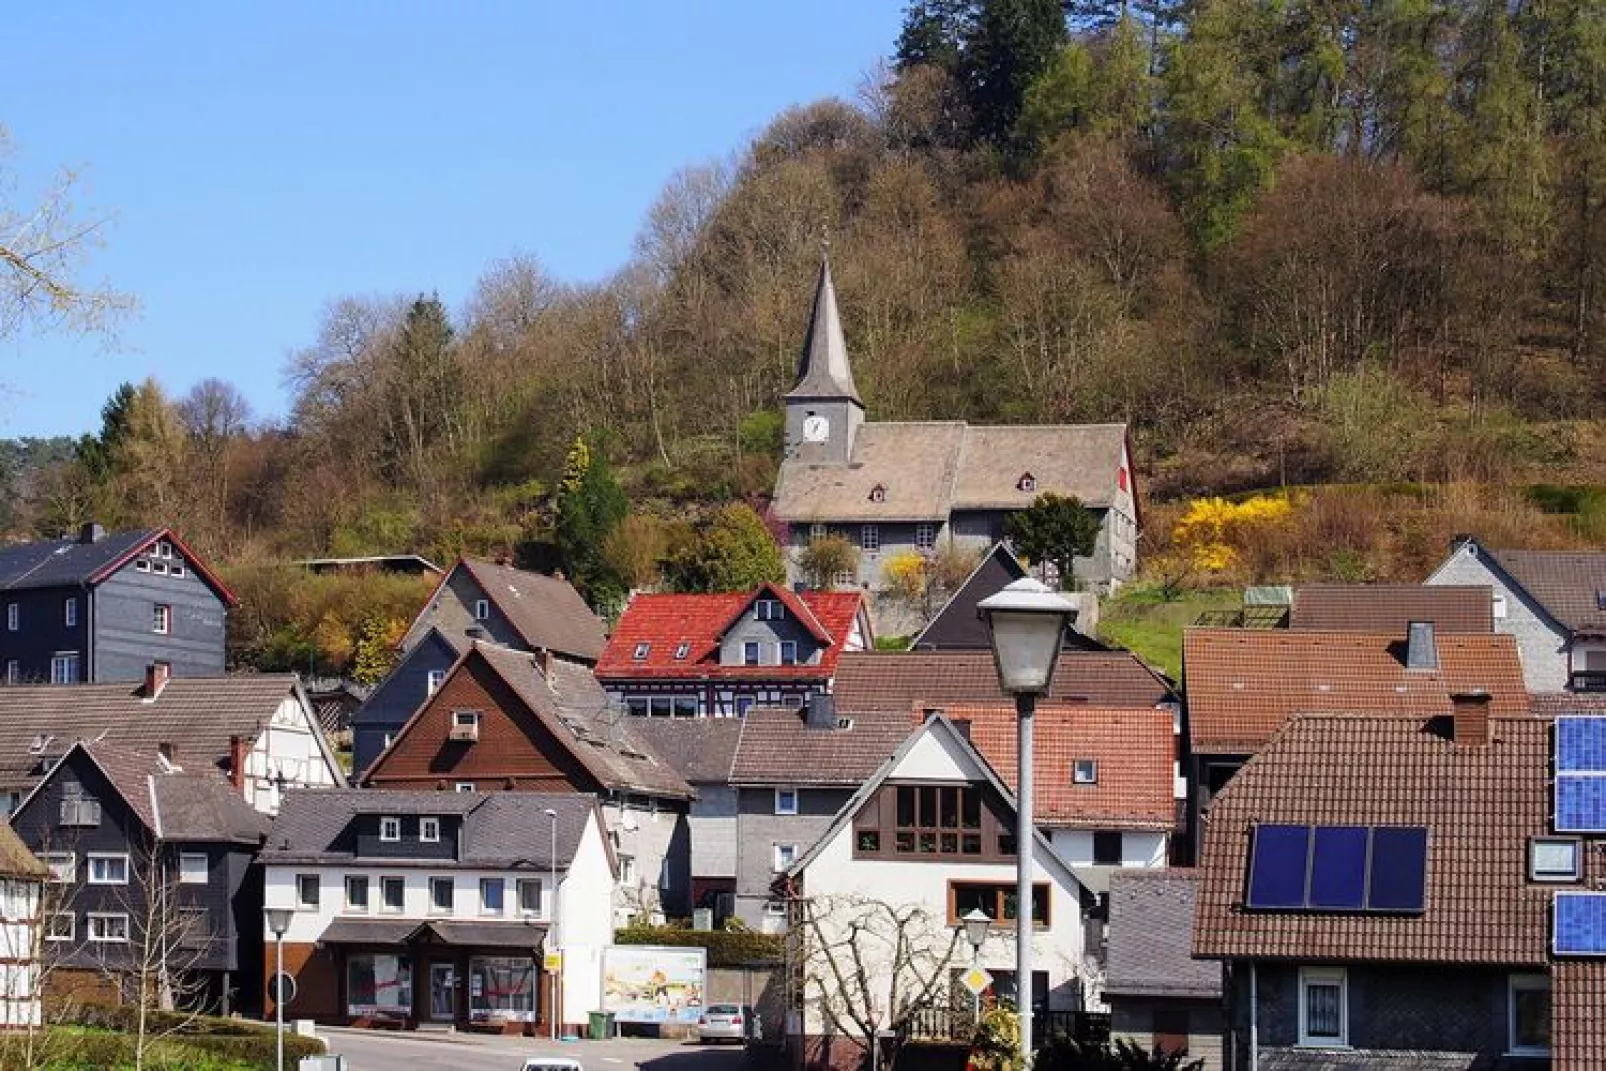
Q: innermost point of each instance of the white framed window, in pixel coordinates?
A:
(64, 667)
(159, 568)
(392, 895)
(641, 652)
(1086, 772)
(107, 869)
(1553, 859)
(69, 611)
(389, 828)
(775, 909)
(437, 677)
(925, 537)
(529, 890)
(769, 610)
(1499, 607)
(164, 549)
(1528, 1014)
(162, 619)
(308, 890)
(1323, 1007)
(786, 800)
(627, 869)
(176, 569)
(429, 829)
(63, 866)
(482, 609)
(788, 652)
(61, 926)
(356, 892)
(785, 856)
(441, 895)
(463, 786)
(491, 898)
(13, 617)
(13, 671)
(870, 538)
(194, 868)
(107, 927)
(817, 531)
(143, 565)
(751, 653)
(465, 725)
(681, 651)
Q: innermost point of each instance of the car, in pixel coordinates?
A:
(550, 1063)
(727, 1022)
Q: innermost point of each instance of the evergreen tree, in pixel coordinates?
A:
(1009, 45)
(731, 551)
(933, 33)
(1056, 529)
(590, 505)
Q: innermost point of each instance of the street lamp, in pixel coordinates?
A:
(1026, 625)
(976, 923)
(552, 922)
(278, 922)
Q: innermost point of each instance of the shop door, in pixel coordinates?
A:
(442, 993)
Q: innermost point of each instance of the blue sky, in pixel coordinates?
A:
(259, 160)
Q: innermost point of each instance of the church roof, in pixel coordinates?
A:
(823, 371)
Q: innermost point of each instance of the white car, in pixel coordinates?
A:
(727, 1022)
(550, 1063)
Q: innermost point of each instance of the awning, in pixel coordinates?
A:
(522, 936)
(368, 931)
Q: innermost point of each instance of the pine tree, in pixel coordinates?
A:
(590, 505)
(1009, 45)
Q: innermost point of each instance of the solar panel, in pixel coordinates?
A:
(1580, 745)
(1580, 924)
(1399, 869)
(1580, 803)
(1338, 868)
(1278, 867)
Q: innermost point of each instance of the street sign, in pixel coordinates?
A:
(288, 983)
(552, 962)
(976, 980)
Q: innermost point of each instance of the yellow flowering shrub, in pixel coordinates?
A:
(1213, 533)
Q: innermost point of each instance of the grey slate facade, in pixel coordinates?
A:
(395, 698)
(759, 831)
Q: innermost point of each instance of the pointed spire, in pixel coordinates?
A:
(823, 371)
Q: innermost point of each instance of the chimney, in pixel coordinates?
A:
(1421, 652)
(820, 711)
(91, 533)
(168, 753)
(156, 675)
(1470, 717)
(475, 632)
(546, 659)
(237, 761)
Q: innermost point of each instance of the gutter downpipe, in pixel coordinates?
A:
(1254, 1018)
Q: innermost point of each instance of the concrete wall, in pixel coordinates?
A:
(1540, 644)
(761, 988)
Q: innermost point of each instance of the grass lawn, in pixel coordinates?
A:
(1139, 619)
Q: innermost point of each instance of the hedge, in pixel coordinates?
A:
(726, 948)
(101, 1037)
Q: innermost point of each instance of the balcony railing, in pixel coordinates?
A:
(1587, 680)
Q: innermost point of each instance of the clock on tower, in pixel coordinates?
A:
(816, 429)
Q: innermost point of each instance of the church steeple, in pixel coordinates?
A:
(823, 372)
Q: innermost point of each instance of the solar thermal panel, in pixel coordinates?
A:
(1399, 867)
(1580, 924)
(1277, 868)
(1338, 868)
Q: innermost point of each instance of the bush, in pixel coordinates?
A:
(726, 948)
(1066, 1054)
(224, 1045)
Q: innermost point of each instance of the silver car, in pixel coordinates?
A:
(727, 1022)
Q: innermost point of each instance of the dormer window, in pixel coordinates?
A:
(465, 725)
(1026, 483)
(769, 610)
(681, 651)
(641, 652)
(390, 829)
(878, 493)
(1086, 772)
(429, 829)
(482, 609)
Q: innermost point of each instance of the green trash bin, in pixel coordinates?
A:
(601, 1026)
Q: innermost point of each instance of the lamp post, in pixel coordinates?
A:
(552, 921)
(976, 923)
(1026, 625)
(278, 919)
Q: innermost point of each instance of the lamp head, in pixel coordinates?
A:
(278, 919)
(1026, 624)
(977, 923)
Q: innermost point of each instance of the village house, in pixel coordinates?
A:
(509, 720)
(256, 730)
(416, 908)
(958, 624)
(151, 880)
(716, 655)
(22, 881)
(475, 600)
(1159, 995)
(929, 486)
(1552, 602)
(1391, 608)
(895, 682)
(103, 606)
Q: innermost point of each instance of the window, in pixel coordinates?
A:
(61, 926)
(159, 568)
(465, 725)
(441, 892)
(194, 868)
(77, 810)
(925, 537)
(788, 652)
(681, 651)
(641, 652)
(108, 927)
(482, 609)
(1323, 1015)
(164, 549)
(1086, 772)
(750, 653)
(429, 829)
(437, 677)
(786, 801)
(356, 892)
(1027, 483)
(1107, 848)
(503, 989)
(529, 896)
(1552, 859)
(1499, 607)
(108, 869)
(64, 667)
(63, 866)
(490, 896)
(769, 610)
(878, 493)
(378, 985)
(996, 900)
(627, 869)
(390, 829)
(161, 618)
(816, 532)
(870, 538)
(13, 671)
(775, 909)
(69, 612)
(463, 786)
(143, 565)
(1530, 1014)
(13, 617)
(176, 569)
(392, 894)
(785, 856)
(308, 888)
(938, 820)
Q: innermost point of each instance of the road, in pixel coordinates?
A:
(381, 1050)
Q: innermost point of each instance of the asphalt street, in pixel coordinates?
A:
(379, 1050)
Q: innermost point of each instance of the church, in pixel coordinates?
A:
(891, 487)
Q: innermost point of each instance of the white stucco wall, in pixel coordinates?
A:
(19, 953)
(291, 745)
(1139, 848)
(585, 924)
(1540, 645)
(645, 834)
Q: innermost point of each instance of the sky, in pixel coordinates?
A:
(254, 162)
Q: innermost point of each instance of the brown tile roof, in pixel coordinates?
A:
(1568, 584)
(699, 749)
(1391, 608)
(546, 610)
(1550, 704)
(778, 748)
(1577, 1027)
(1150, 936)
(1480, 805)
(1134, 750)
(897, 681)
(1244, 684)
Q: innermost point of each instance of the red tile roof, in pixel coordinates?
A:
(896, 681)
(665, 621)
(1243, 685)
(1392, 607)
(1134, 750)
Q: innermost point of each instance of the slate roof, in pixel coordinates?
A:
(1391, 608)
(1244, 684)
(502, 830)
(69, 560)
(958, 625)
(777, 747)
(665, 621)
(699, 749)
(175, 804)
(1480, 804)
(1568, 584)
(1134, 750)
(195, 715)
(823, 370)
(1150, 936)
(547, 611)
(897, 681)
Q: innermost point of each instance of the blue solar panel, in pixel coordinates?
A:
(1580, 924)
(1277, 868)
(1338, 868)
(1399, 869)
(1580, 803)
(1580, 745)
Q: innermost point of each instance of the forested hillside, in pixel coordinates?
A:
(1293, 243)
